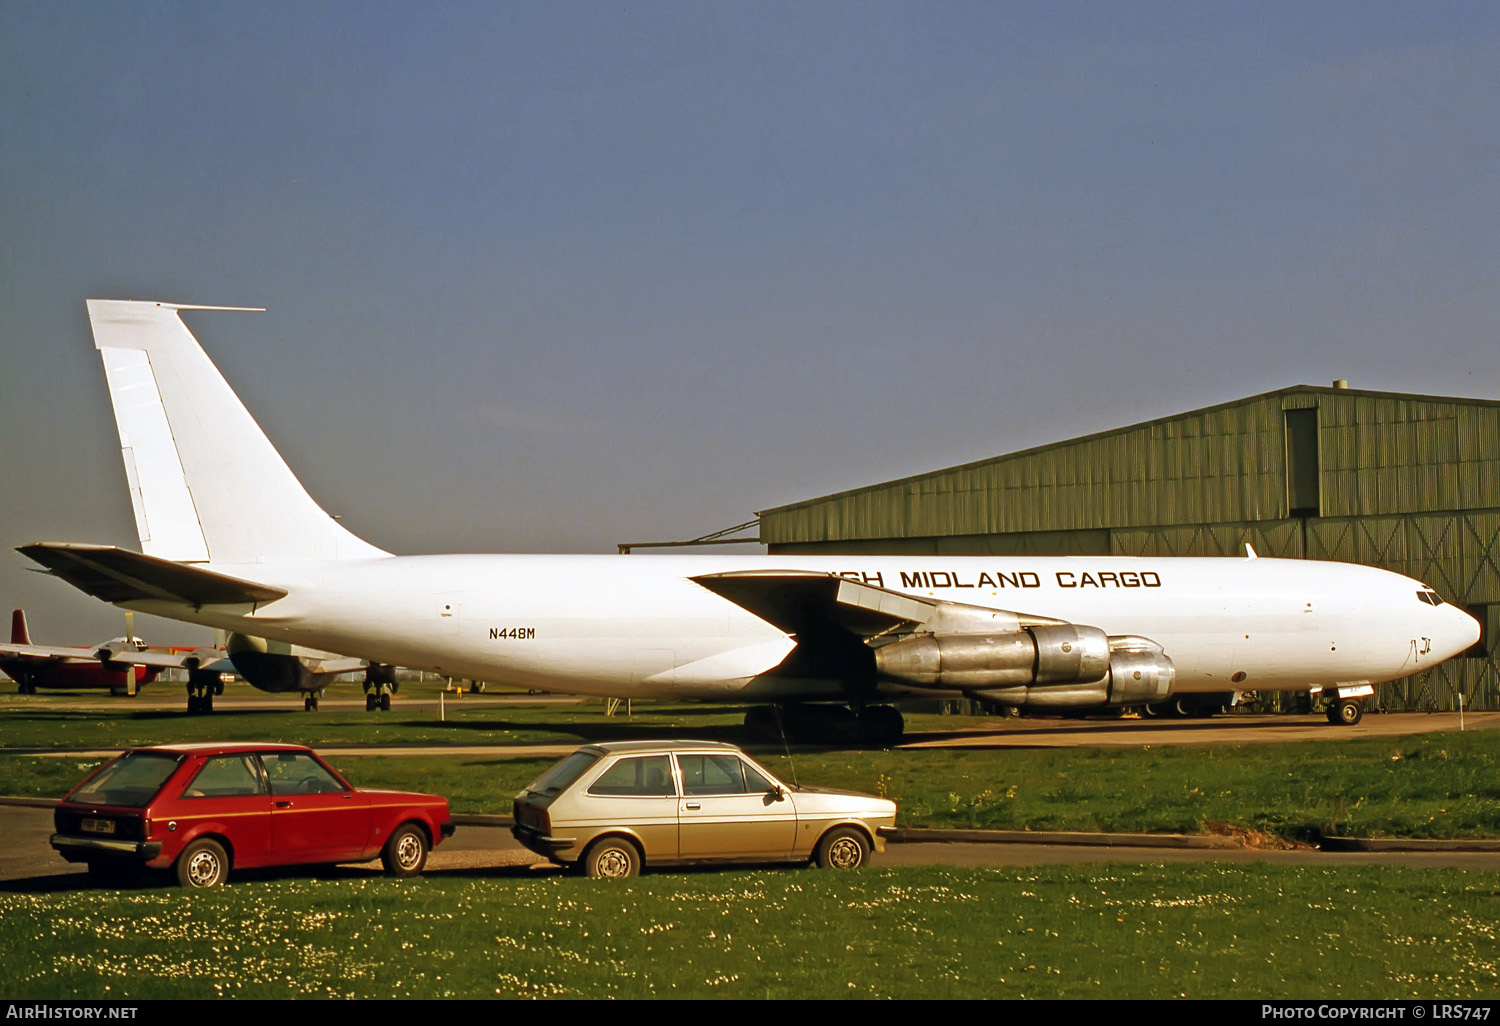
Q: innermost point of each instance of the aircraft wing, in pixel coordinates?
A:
(807, 605)
(120, 575)
(45, 655)
(164, 659)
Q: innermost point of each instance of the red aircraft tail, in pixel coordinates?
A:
(19, 635)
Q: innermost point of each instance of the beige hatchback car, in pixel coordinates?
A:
(614, 808)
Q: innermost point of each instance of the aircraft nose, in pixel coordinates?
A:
(1461, 631)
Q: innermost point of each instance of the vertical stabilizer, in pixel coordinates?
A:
(19, 633)
(205, 482)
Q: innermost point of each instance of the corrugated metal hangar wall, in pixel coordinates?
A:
(1406, 482)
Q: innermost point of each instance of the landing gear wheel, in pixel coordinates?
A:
(371, 701)
(405, 851)
(843, 848)
(385, 702)
(310, 702)
(1345, 712)
(612, 858)
(203, 863)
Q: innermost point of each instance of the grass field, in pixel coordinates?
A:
(1198, 931)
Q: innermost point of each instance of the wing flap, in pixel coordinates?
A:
(120, 575)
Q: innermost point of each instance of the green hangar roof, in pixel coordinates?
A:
(1298, 452)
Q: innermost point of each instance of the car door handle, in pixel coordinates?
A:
(283, 805)
(694, 805)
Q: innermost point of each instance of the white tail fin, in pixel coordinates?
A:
(205, 482)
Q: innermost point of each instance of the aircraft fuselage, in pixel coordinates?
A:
(638, 626)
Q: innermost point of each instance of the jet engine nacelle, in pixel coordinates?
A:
(1136, 677)
(277, 667)
(1060, 654)
(1062, 666)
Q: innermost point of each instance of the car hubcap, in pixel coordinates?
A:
(845, 853)
(613, 863)
(203, 869)
(409, 852)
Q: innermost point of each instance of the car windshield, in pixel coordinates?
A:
(564, 773)
(132, 780)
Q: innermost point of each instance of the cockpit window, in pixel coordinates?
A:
(1431, 597)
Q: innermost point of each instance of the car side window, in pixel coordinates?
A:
(299, 773)
(227, 776)
(645, 777)
(756, 782)
(712, 774)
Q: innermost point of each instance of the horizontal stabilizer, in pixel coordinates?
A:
(119, 575)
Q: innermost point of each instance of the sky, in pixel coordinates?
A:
(553, 276)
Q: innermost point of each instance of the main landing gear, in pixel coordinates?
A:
(380, 684)
(825, 724)
(202, 686)
(1193, 707)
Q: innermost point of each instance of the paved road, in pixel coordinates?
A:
(27, 863)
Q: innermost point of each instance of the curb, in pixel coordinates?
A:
(927, 835)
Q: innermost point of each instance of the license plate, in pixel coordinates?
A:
(98, 826)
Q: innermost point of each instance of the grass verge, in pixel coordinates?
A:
(1196, 931)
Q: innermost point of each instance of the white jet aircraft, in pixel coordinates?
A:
(230, 539)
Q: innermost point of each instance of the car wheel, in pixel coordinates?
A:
(844, 848)
(405, 851)
(612, 858)
(203, 863)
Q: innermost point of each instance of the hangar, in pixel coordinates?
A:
(1406, 482)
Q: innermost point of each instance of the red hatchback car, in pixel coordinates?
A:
(201, 808)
